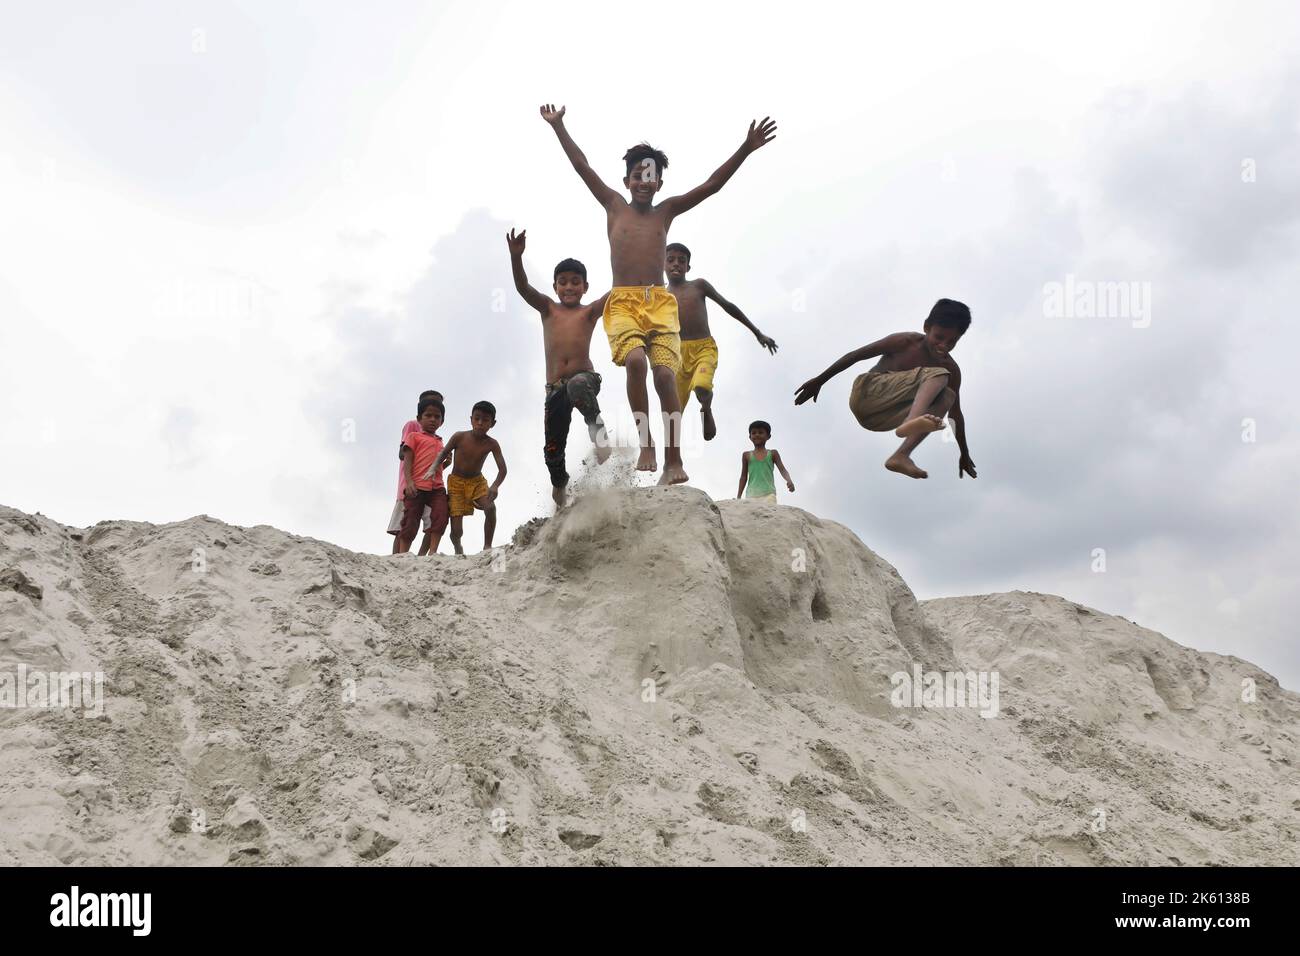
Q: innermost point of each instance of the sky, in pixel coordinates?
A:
(238, 239)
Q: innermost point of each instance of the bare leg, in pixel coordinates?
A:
(557, 495)
(424, 543)
(599, 439)
(666, 386)
(901, 460)
(920, 420)
(457, 530)
(431, 542)
(489, 519)
(397, 540)
(637, 397)
(706, 409)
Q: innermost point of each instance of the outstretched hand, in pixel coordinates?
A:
(767, 342)
(551, 114)
(807, 390)
(965, 467)
(760, 133)
(516, 243)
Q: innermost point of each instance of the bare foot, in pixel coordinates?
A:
(905, 466)
(557, 495)
(647, 461)
(920, 425)
(673, 475)
(710, 426)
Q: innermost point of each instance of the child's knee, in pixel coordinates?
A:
(636, 363)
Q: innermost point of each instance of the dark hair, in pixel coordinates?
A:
(485, 407)
(678, 247)
(570, 265)
(645, 151)
(763, 425)
(431, 393)
(430, 403)
(951, 314)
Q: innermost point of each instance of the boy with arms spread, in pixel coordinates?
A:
(640, 314)
(756, 466)
(699, 350)
(571, 381)
(910, 388)
(467, 489)
(424, 492)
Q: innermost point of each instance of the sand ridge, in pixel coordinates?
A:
(650, 677)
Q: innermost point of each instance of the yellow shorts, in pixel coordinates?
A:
(643, 317)
(699, 362)
(463, 492)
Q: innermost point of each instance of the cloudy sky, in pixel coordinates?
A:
(239, 238)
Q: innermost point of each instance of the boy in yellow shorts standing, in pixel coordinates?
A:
(699, 350)
(467, 489)
(640, 315)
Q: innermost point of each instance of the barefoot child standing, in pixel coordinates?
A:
(395, 521)
(756, 481)
(424, 494)
(910, 388)
(467, 489)
(571, 381)
(640, 314)
(699, 350)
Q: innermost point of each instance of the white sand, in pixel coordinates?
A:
(274, 699)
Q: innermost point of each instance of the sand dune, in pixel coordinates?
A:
(650, 678)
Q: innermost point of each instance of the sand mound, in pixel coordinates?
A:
(648, 678)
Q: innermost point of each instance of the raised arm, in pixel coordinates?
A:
(530, 295)
(604, 195)
(759, 135)
(744, 472)
(890, 343)
(598, 307)
(734, 311)
(776, 460)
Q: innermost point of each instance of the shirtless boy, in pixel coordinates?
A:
(910, 388)
(571, 381)
(699, 350)
(467, 489)
(640, 315)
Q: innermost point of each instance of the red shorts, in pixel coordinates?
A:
(436, 500)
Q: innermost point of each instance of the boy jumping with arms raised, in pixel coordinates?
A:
(699, 350)
(910, 388)
(640, 314)
(571, 381)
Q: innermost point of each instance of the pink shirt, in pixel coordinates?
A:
(425, 456)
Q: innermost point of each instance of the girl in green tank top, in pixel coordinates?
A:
(757, 466)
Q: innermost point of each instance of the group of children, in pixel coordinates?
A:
(660, 332)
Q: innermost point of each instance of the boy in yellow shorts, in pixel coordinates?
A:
(699, 350)
(640, 314)
(467, 489)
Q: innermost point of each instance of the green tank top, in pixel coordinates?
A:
(760, 476)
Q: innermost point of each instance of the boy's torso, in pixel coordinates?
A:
(469, 455)
(566, 339)
(637, 241)
(914, 355)
(692, 310)
(425, 449)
